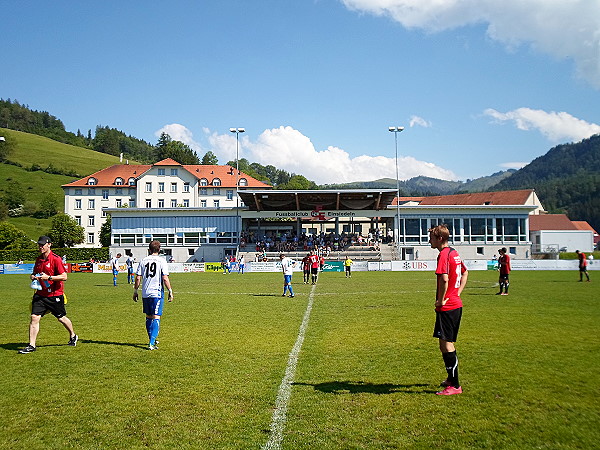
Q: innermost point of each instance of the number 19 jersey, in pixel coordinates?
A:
(151, 269)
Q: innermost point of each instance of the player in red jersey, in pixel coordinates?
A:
(582, 265)
(49, 271)
(504, 268)
(451, 280)
(306, 268)
(314, 266)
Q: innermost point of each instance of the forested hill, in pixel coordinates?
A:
(567, 180)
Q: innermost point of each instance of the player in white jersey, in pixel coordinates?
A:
(114, 264)
(152, 272)
(287, 267)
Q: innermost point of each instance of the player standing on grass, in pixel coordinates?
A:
(152, 272)
(115, 267)
(306, 268)
(49, 270)
(582, 265)
(504, 268)
(314, 266)
(451, 280)
(348, 266)
(287, 267)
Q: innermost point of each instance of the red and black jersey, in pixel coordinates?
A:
(504, 262)
(450, 263)
(52, 266)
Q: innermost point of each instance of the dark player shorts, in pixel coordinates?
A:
(41, 305)
(447, 324)
(504, 276)
(583, 268)
(314, 270)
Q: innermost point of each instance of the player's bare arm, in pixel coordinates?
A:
(442, 288)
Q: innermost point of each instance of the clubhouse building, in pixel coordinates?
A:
(204, 212)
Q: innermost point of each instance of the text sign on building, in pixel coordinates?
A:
(314, 215)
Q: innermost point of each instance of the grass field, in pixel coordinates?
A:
(365, 378)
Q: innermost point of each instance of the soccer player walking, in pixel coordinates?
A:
(504, 268)
(49, 271)
(348, 266)
(287, 267)
(151, 273)
(451, 280)
(115, 268)
(582, 265)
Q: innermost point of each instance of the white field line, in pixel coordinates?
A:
(285, 388)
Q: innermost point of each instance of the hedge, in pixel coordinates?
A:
(73, 254)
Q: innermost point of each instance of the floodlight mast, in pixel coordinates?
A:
(397, 130)
(237, 132)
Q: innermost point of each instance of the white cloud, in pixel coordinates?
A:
(556, 126)
(180, 133)
(288, 149)
(513, 165)
(561, 28)
(416, 120)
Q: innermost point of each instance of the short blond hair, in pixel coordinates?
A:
(440, 232)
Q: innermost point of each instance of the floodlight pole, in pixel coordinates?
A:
(397, 130)
(237, 132)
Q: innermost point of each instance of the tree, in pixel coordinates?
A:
(48, 207)
(176, 150)
(14, 195)
(65, 232)
(12, 238)
(210, 159)
(7, 146)
(105, 232)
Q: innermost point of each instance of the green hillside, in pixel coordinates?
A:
(33, 151)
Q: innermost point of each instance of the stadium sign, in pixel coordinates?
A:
(314, 214)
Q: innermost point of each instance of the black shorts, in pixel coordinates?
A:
(314, 270)
(583, 268)
(504, 276)
(447, 324)
(347, 268)
(41, 305)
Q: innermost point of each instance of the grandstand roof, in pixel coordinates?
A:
(521, 197)
(346, 199)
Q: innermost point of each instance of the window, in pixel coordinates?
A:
(148, 203)
(131, 181)
(78, 220)
(161, 202)
(104, 213)
(480, 250)
(161, 187)
(92, 181)
(119, 181)
(104, 194)
(229, 194)
(78, 191)
(512, 250)
(119, 203)
(90, 238)
(202, 203)
(203, 191)
(91, 191)
(186, 187)
(173, 187)
(216, 191)
(216, 203)
(91, 221)
(216, 182)
(186, 203)
(119, 191)
(91, 203)
(148, 187)
(203, 182)
(243, 182)
(132, 203)
(161, 172)
(174, 172)
(77, 203)
(173, 203)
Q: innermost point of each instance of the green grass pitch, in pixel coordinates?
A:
(365, 378)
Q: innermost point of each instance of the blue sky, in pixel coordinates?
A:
(479, 85)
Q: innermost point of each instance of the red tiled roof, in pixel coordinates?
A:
(539, 222)
(106, 177)
(481, 198)
(406, 200)
(583, 225)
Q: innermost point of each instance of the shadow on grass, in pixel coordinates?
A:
(14, 346)
(361, 387)
(267, 295)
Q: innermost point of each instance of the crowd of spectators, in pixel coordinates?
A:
(323, 243)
